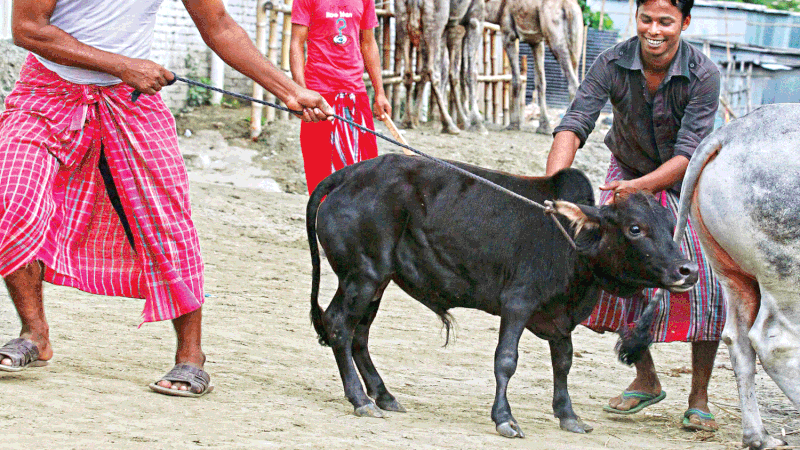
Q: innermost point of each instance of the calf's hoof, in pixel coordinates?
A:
(510, 429)
(514, 126)
(575, 426)
(391, 405)
(369, 410)
(763, 442)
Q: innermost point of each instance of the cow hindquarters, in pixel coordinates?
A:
(742, 297)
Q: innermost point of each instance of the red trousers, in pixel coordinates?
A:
(328, 146)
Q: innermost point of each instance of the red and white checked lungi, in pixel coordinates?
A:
(54, 203)
(329, 146)
(695, 315)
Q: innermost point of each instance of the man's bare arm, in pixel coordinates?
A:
(562, 152)
(297, 57)
(372, 61)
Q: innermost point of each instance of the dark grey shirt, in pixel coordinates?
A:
(647, 129)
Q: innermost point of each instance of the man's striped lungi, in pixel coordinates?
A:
(55, 207)
(696, 315)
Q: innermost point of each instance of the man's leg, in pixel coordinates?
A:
(646, 381)
(703, 355)
(188, 328)
(25, 287)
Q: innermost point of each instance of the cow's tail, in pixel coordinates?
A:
(322, 189)
(634, 342)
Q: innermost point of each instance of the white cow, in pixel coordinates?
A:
(743, 186)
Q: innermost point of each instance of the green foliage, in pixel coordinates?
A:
(195, 95)
(592, 19)
(784, 5)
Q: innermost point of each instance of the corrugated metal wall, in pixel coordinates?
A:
(557, 92)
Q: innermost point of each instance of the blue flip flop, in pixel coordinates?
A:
(704, 416)
(645, 399)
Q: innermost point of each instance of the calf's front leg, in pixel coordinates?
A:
(561, 358)
(512, 324)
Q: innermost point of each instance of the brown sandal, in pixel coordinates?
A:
(199, 381)
(22, 353)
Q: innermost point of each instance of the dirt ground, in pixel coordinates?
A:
(276, 387)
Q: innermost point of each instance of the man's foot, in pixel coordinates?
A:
(631, 402)
(698, 420)
(23, 352)
(184, 380)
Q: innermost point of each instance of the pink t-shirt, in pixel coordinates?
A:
(334, 62)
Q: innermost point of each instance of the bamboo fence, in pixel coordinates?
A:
(273, 33)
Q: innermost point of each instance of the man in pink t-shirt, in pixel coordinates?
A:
(340, 44)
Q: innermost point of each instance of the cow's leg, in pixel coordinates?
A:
(512, 324)
(775, 336)
(349, 305)
(434, 35)
(376, 389)
(558, 39)
(742, 303)
(517, 93)
(541, 88)
(471, 45)
(455, 37)
(561, 357)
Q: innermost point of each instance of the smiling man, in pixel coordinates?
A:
(665, 95)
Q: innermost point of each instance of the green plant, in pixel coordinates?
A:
(195, 95)
(592, 18)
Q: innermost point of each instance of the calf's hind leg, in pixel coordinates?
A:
(349, 306)
(561, 358)
(375, 386)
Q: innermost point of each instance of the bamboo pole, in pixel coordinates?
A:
(286, 36)
(506, 68)
(496, 100)
(272, 52)
(486, 68)
(583, 56)
(256, 109)
(602, 14)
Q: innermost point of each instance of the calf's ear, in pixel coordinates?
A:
(581, 216)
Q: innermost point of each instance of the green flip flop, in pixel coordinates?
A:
(704, 416)
(645, 399)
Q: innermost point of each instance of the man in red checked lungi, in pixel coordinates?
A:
(340, 44)
(665, 95)
(95, 194)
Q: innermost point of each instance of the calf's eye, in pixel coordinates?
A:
(635, 230)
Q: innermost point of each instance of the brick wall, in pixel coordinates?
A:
(179, 47)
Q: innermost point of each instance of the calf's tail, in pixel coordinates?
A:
(634, 342)
(322, 189)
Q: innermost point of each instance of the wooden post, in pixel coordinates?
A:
(256, 109)
(495, 94)
(631, 18)
(486, 71)
(506, 69)
(583, 56)
(602, 15)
